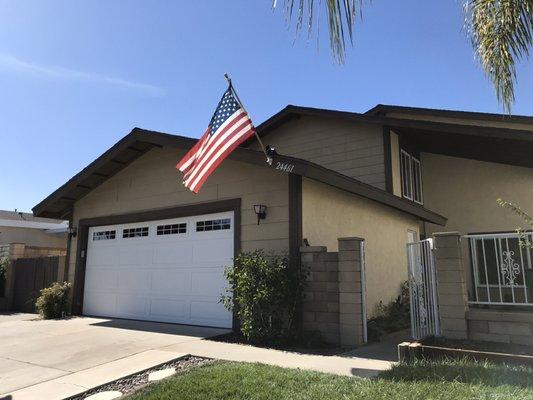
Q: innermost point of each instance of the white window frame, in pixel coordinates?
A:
(411, 181)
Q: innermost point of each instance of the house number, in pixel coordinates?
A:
(286, 167)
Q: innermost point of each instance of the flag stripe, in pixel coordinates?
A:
(244, 131)
(222, 157)
(214, 145)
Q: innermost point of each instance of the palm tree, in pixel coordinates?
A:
(501, 32)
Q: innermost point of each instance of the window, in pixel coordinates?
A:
(171, 229)
(213, 225)
(104, 235)
(411, 177)
(135, 232)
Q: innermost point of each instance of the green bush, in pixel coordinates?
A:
(391, 317)
(53, 300)
(4, 262)
(264, 292)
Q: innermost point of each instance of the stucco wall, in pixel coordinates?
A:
(351, 148)
(31, 237)
(152, 182)
(330, 213)
(465, 191)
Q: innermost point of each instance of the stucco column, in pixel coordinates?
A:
(451, 285)
(350, 292)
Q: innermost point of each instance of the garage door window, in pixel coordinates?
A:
(135, 232)
(171, 229)
(104, 235)
(213, 225)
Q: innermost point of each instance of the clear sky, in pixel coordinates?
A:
(76, 76)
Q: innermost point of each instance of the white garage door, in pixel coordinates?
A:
(167, 271)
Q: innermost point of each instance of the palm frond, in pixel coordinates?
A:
(341, 17)
(501, 32)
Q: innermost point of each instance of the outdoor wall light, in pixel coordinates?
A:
(260, 211)
(72, 231)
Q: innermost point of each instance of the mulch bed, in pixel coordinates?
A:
(133, 383)
(321, 349)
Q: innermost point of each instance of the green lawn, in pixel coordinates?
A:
(448, 380)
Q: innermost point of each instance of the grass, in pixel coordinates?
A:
(455, 380)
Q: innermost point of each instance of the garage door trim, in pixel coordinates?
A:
(149, 215)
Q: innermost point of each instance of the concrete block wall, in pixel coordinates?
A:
(333, 298)
(452, 291)
(505, 326)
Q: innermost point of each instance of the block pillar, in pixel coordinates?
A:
(452, 292)
(351, 293)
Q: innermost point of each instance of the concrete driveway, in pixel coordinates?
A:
(55, 359)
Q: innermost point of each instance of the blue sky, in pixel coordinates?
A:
(76, 76)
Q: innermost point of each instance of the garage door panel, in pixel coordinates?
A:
(136, 281)
(170, 282)
(132, 306)
(178, 254)
(213, 252)
(100, 303)
(102, 278)
(207, 282)
(209, 311)
(170, 309)
(173, 276)
(136, 255)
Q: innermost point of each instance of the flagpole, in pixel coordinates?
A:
(268, 158)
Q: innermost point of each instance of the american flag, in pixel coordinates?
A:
(229, 127)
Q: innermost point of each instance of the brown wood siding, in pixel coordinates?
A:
(351, 148)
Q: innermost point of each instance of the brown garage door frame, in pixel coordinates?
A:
(151, 215)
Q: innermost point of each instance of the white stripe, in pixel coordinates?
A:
(210, 138)
(248, 127)
(220, 139)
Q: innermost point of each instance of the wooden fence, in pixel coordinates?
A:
(32, 275)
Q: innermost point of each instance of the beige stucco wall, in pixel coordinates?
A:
(330, 213)
(351, 148)
(464, 121)
(31, 237)
(465, 191)
(152, 182)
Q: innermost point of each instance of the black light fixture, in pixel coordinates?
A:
(260, 211)
(72, 231)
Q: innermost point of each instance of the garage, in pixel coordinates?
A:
(169, 270)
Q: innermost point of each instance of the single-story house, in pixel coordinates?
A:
(146, 248)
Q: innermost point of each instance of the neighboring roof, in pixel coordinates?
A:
(26, 220)
(383, 109)
(139, 141)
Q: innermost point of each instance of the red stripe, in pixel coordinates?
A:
(192, 151)
(204, 159)
(205, 138)
(246, 135)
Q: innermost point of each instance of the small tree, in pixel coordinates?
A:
(525, 240)
(264, 292)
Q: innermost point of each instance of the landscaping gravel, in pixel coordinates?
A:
(135, 382)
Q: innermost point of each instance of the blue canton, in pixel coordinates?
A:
(226, 108)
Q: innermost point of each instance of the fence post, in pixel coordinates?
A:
(351, 292)
(451, 285)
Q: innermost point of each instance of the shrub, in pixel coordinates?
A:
(53, 300)
(264, 292)
(4, 263)
(392, 317)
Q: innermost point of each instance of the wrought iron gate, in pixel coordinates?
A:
(423, 290)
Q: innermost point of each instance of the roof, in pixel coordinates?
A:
(140, 141)
(26, 220)
(383, 109)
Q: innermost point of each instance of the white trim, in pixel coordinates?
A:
(16, 223)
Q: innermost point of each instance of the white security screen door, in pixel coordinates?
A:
(166, 271)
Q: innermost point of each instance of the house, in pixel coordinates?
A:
(32, 234)
(146, 248)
